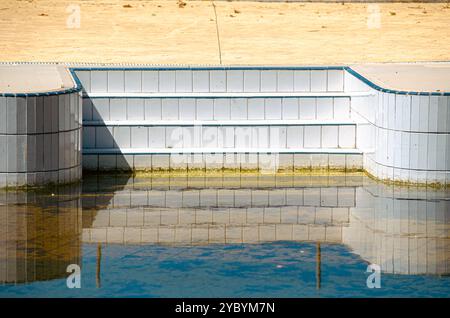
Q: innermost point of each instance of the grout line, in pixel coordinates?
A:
(217, 31)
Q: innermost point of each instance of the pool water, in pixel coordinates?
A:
(225, 235)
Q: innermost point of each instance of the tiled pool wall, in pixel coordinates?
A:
(405, 136)
(237, 118)
(40, 138)
(268, 118)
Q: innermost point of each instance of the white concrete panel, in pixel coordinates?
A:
(103, 137)
(99, 81)
(277, 137)
(122, 137)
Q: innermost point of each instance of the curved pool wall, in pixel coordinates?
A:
(40, 137)
(404, 135)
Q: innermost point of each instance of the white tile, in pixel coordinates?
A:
(169, 108)
(256, 108)
(200, 81)
(225, 137)
(252, 80)
(133, 81)
(312, 137)
(209, 137)
(290, 108)
(277, 137)
(167, 81)
(150, 81)
(116, 81)
(89, 137)
(218, 81)
(187, 108)
(260, 137)
(122, 137)
(156, 137)
(135, 109)
(424, 109)
(99, 81)
(205, 109)
(100, 109)
(273, 108)
(433, 112)
(330, 136)
(307, 108)
(243, 137)
(335, 81)
(117, 108)
(239, 108)
(174, 137)
(294, 137)
(235, 80)
(318, 80)
(285, 81)
(268, 81)
(341, 108)
(139, 137)
(324, 108)
(152, 108)
(222, 109)
(443, 124)
(302, 81)
(183, 81)
(103, 137)
(347, 137)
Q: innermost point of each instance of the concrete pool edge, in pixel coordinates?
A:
(364, 116)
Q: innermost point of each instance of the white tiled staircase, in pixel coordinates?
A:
(244, 118)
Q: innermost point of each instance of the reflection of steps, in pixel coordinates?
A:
(220, 215)
(175, 118)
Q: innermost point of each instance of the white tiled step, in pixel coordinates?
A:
(227, 94)
(264, 122)
(218, 150)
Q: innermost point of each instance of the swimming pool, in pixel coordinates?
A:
(225, 235)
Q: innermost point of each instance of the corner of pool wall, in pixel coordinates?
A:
(40, 125)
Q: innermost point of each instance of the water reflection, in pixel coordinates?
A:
(404, 230)
(40, 234)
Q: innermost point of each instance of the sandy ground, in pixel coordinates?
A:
(167, 32)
